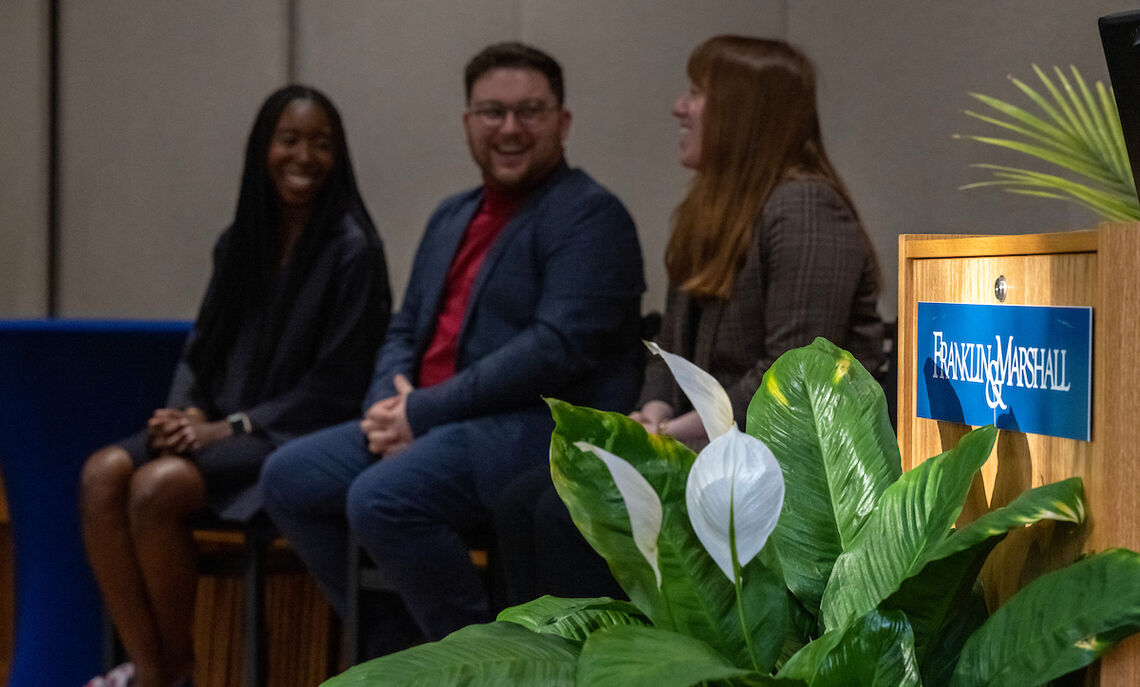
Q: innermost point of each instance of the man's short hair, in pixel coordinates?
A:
(514, 55)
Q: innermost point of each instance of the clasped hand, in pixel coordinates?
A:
(652, 414)
(385, 424)
(178, 432)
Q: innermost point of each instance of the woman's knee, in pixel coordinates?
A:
(104, 480)
(166, 489)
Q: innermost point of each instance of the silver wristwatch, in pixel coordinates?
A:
(240, 424)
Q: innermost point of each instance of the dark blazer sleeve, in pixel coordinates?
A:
(575, 262)
(409, 328)
(809, 256)
(354, 309)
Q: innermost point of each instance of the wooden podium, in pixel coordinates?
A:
(1098, 268)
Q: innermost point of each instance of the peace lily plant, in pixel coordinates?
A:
(795, 555)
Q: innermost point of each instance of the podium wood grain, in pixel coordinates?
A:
(1096, 268)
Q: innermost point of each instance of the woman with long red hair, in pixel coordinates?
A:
(767, 253)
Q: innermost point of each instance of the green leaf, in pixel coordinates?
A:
(941, 591)
(1021, 183)
(1062, 159)
(1068, 106)
(1063, 144)
(1046, 107)
(1076, 131)
(489, 655)
(650, 657)
(595, 504)
(1115, 132)
(1060, 622)
(1117, 197)
(911, 519)
(937, 597)
(803, 629)
(877, 650)
(1110, 203)
(695, 598)
(939, 659)
(804, 664)
(1060, 501)
(825, 419)
(1080, 136)
(1101, 141)
(1045, 129)
(572, 619)
(940, 604)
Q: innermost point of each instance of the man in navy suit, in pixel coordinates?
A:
(528, 286)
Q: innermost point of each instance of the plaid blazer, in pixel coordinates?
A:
(809, 272)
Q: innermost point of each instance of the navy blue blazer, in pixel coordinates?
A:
(554, 309)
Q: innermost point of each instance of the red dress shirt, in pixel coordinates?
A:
(438, 361)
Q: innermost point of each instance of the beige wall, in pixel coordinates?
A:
(157, 99)
(893, 85)
(24, 62)
(156, 102)
(395, 70)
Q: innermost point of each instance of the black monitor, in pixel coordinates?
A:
(1120, 36)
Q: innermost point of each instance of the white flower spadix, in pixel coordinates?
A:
(735, 489)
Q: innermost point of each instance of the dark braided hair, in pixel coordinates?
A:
(246, 269)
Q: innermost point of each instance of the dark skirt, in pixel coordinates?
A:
(230, 467)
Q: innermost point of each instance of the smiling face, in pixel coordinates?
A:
(689, 110)
(512, 155)
(301, 153)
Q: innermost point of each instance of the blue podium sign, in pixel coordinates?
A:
(1022, 368)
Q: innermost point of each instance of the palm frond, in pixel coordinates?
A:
(1055, 142)
(1091, 168)
(1097, 122)
(1072, 129)
(1112, 205)
(1115, 131)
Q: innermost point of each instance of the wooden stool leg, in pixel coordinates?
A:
(351, 647)
(256, 543)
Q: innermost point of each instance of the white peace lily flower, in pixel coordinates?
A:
(735, 489)
(735, 484)
(641, 502)
(706, 394)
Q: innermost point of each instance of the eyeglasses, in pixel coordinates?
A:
(527, 113)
